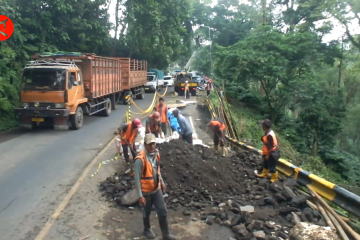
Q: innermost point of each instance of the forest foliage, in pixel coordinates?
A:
(272, 56)
(159, 31)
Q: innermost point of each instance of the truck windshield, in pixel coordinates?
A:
(167, 78)
(150, 78)
(51, 79)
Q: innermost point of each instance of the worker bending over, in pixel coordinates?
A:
(270, 151)
(153, 124)
(128, 133)
(150, 187)
(173, 121)
(163, 110)
(185, 128)
(218, 127)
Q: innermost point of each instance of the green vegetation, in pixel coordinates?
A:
(157, 31)
(269, 54)
(274, 63)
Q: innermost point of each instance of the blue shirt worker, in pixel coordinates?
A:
(186, 130)
(173, 122)
(150, 187)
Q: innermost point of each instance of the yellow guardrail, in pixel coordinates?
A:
(330, 191)
(146, 112)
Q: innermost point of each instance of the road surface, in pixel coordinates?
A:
(39, 167)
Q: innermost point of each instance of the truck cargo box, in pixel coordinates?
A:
(133, 73)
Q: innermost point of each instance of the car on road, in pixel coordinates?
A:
(153, 83)
(168, 81)
(197, 79)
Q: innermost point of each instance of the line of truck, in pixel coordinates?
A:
(60, 89)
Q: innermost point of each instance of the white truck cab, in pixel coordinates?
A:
(152, 83)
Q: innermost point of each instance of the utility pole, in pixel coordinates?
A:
(210, 48)
(341, 60)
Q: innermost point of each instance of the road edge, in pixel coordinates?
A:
(65, 201)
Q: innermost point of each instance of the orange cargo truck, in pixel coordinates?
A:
(61, 89)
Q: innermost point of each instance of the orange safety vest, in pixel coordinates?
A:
(163, 113)
(265, 150)
(129, 135)
(154, 126)
(147, 176)
(218, 123)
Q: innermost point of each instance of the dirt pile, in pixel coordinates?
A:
(224, 190)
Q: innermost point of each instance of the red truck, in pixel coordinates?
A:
(61, 88)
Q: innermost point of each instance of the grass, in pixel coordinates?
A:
(7, 123)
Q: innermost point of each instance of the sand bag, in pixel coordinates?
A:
(118, 147)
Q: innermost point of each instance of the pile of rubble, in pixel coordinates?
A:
(224, 190)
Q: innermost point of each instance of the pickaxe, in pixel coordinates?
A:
(1, 32)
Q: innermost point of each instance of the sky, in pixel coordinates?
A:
(335, 34)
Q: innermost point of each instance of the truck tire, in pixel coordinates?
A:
(77, 119)
(113, 101)
(141, 94)
(107, 111)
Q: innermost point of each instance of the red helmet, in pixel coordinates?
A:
(137, 122)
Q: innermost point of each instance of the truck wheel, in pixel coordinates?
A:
(141, 95)
(77, 119)
(107, 111)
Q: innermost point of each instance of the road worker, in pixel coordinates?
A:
(218, 127)
(270, 151)
(163, 110)
(187, 90)
(153, 124)
(173, 121)
(208, 88)
(150, 187)
(128, 133)
(185, 128)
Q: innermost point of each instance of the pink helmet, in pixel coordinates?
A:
(137, 122)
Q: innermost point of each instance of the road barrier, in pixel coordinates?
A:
(330, 191)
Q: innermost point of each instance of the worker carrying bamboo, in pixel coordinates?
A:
(218, 127)
(270, 151)
(150, 187)
(128, 133)
(163, 110)
(153, 125)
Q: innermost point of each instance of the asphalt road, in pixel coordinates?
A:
(39, 167)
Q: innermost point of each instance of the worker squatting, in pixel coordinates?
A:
(147, 175)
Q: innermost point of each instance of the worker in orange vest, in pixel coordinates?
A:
(163, 110)
(270, 151)
(128, 133)
(150, 187)
(153, 124)
(218, 127)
